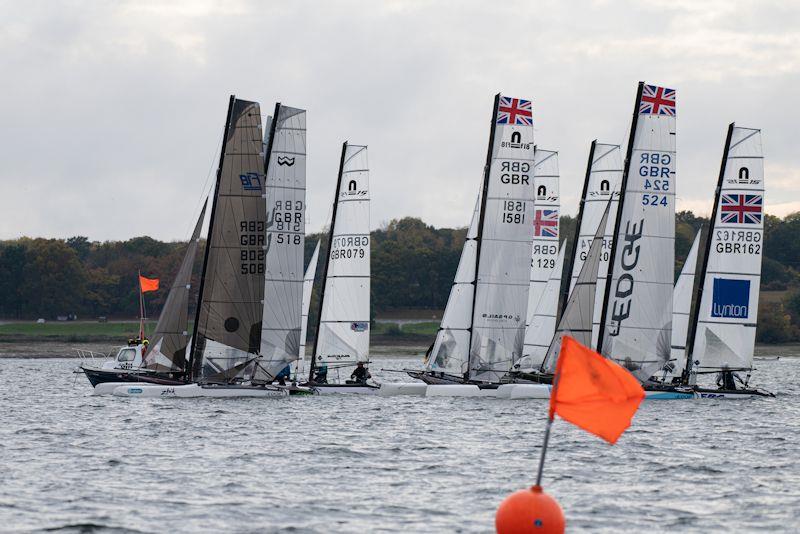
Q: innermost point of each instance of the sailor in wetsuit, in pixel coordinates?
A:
(360, 373)
(727, 380)
(321, 375)
(285, 373)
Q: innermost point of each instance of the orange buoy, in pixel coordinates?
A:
(529, 511)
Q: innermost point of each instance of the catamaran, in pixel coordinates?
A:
(483, 327)
(254, 255)
(340, 358)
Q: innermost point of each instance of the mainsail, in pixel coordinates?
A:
(681, 306)
(504, 243)
(343, 329)
(539, 333)
(450, 350)
(285, 242)
(308, 287)
(167, 350)
(576, 319)
(545, 226)
(603, 178)
(227, 332)
(635, 329)
(725, 320)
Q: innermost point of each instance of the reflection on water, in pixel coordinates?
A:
(359, 464)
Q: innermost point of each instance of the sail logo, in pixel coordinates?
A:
(628, 259)
(501, 317)
(743, 178)
(359, 326)
(251, 181)
(541, 194)
(285, 161)
(516, 142)
(730, 299)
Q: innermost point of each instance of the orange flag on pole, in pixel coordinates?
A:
(593, 392)
(148, 284)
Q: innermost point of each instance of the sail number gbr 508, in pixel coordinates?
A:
(654, 167)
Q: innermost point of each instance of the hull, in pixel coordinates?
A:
(191, 391)
(390, 389)
(344, 389)
(430, 377)
(722, 394)
(101, 376)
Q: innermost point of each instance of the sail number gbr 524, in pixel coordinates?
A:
(654, 168)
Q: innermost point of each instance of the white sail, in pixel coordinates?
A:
(681, 306)
(545, 226)
(343, 334)
(308, 287)
(638, 303)
(577, 317)
(727, 315)
(542, 327)
(285, 241)
(603, 178)
(450, 350)
(504, 243)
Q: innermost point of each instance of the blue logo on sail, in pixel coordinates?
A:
(251, 181)
(731, 299)
(359, 326)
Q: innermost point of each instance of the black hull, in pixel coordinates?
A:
(100, 376)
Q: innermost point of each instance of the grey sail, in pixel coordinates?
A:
(576, 321)
(283, 279)
(228, 326)
(167, 349)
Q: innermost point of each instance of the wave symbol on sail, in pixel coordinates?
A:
(624, 288)
(285, 161)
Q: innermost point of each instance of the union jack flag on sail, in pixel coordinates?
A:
(514, 111)
(545, 223)
(657, 101)
(741, 209)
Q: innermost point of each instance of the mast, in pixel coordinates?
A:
(327, 263)
(191, 369)
(485, 192)
(707, 250)
(141, 307)
(272, 126)
(582, 204)
(623, 187)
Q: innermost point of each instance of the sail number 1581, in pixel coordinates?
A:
(513, 212)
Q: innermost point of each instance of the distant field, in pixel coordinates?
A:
(71, 331)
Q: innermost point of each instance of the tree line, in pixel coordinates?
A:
(413, 265)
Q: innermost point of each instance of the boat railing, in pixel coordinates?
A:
(90, 356)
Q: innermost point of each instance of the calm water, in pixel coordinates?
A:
(73, 462)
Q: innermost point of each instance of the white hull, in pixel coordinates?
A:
(191, 391)
(390, 389)
(335, 389)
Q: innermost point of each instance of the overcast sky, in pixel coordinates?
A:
(111, 112)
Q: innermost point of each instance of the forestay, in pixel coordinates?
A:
(504, 243)
(450, 351)
(681, 307)
(637, 314)
(539, 333)
(343, 334)
(576, 319)
(727, 315)
(545, 227)
(167, 350)
(602, 183)
(228, 325)
(285, 242)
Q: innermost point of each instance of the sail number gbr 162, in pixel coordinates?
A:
(513, 212)
(654, 167)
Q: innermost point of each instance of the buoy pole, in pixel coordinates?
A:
(544, 450)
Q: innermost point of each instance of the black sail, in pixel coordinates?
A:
(167, 349)
(228, 328)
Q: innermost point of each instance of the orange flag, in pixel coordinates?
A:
(593, 392)
(148, 284)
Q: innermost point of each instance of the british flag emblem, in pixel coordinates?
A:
(545, 223)
(741, 209)
(657, 101)
(514, 111)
